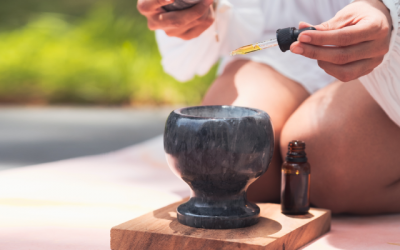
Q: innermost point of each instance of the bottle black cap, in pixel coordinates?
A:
(287, 36)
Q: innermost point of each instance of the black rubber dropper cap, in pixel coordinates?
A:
(287, 36)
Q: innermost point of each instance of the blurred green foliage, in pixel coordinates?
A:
(85, 52)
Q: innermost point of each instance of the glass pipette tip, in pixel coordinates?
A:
(254, 47)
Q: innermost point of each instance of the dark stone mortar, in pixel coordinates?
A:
(218, 151)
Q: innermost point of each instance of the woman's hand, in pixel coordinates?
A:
(185, 24)
(360, 33)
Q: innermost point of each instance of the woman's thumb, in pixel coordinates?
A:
(332, 24)
(303, 25)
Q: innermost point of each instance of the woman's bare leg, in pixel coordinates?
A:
(256, 85)
(353, 148)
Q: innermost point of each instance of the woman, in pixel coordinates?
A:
(343, 100)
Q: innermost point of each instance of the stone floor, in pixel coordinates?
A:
(33, 135)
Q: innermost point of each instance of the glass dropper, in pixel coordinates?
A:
(254, 47)
(284, 38)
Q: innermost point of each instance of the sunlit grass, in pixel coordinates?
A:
(98, 59)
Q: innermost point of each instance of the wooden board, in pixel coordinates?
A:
(159, 230)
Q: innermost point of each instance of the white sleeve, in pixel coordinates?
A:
(384, 82)
(237, 22)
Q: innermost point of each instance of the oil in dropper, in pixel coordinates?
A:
(284, 38)
(245, 49)
(254, 47)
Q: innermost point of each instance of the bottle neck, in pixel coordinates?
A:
(297, 159)
(296, 154)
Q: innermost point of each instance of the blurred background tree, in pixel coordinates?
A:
(85, 52)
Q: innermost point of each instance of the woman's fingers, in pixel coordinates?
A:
(186, 24)
(352, 43)
(358, 22)
(350, 71)
(192, 29)
(146, 7)
(303, 25)
(184, 17)
(341, 55)
(195, 31)
(345, 36)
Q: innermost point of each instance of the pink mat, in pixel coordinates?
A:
(73, 204)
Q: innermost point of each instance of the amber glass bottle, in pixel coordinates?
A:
(295, 186)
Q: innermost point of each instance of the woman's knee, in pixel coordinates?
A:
(256, 85)
(329, 185)
(333, 130)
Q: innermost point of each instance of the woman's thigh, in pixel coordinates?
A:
(352, 147)
(256, 85)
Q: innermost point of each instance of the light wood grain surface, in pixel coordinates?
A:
(160, 230)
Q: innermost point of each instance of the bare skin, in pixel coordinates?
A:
(361, 33)
(352, 146)
(251, 84)
(351, 142)
(185, 24)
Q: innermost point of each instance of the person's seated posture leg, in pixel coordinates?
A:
(256, 85)
(351, 142)
(352, 147)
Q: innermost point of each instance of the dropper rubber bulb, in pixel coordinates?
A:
(284, 39)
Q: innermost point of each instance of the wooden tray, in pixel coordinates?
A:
(159, 230)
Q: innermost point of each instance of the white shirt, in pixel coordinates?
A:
(242, 22)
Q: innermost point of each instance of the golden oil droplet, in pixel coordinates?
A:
(246, 49)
